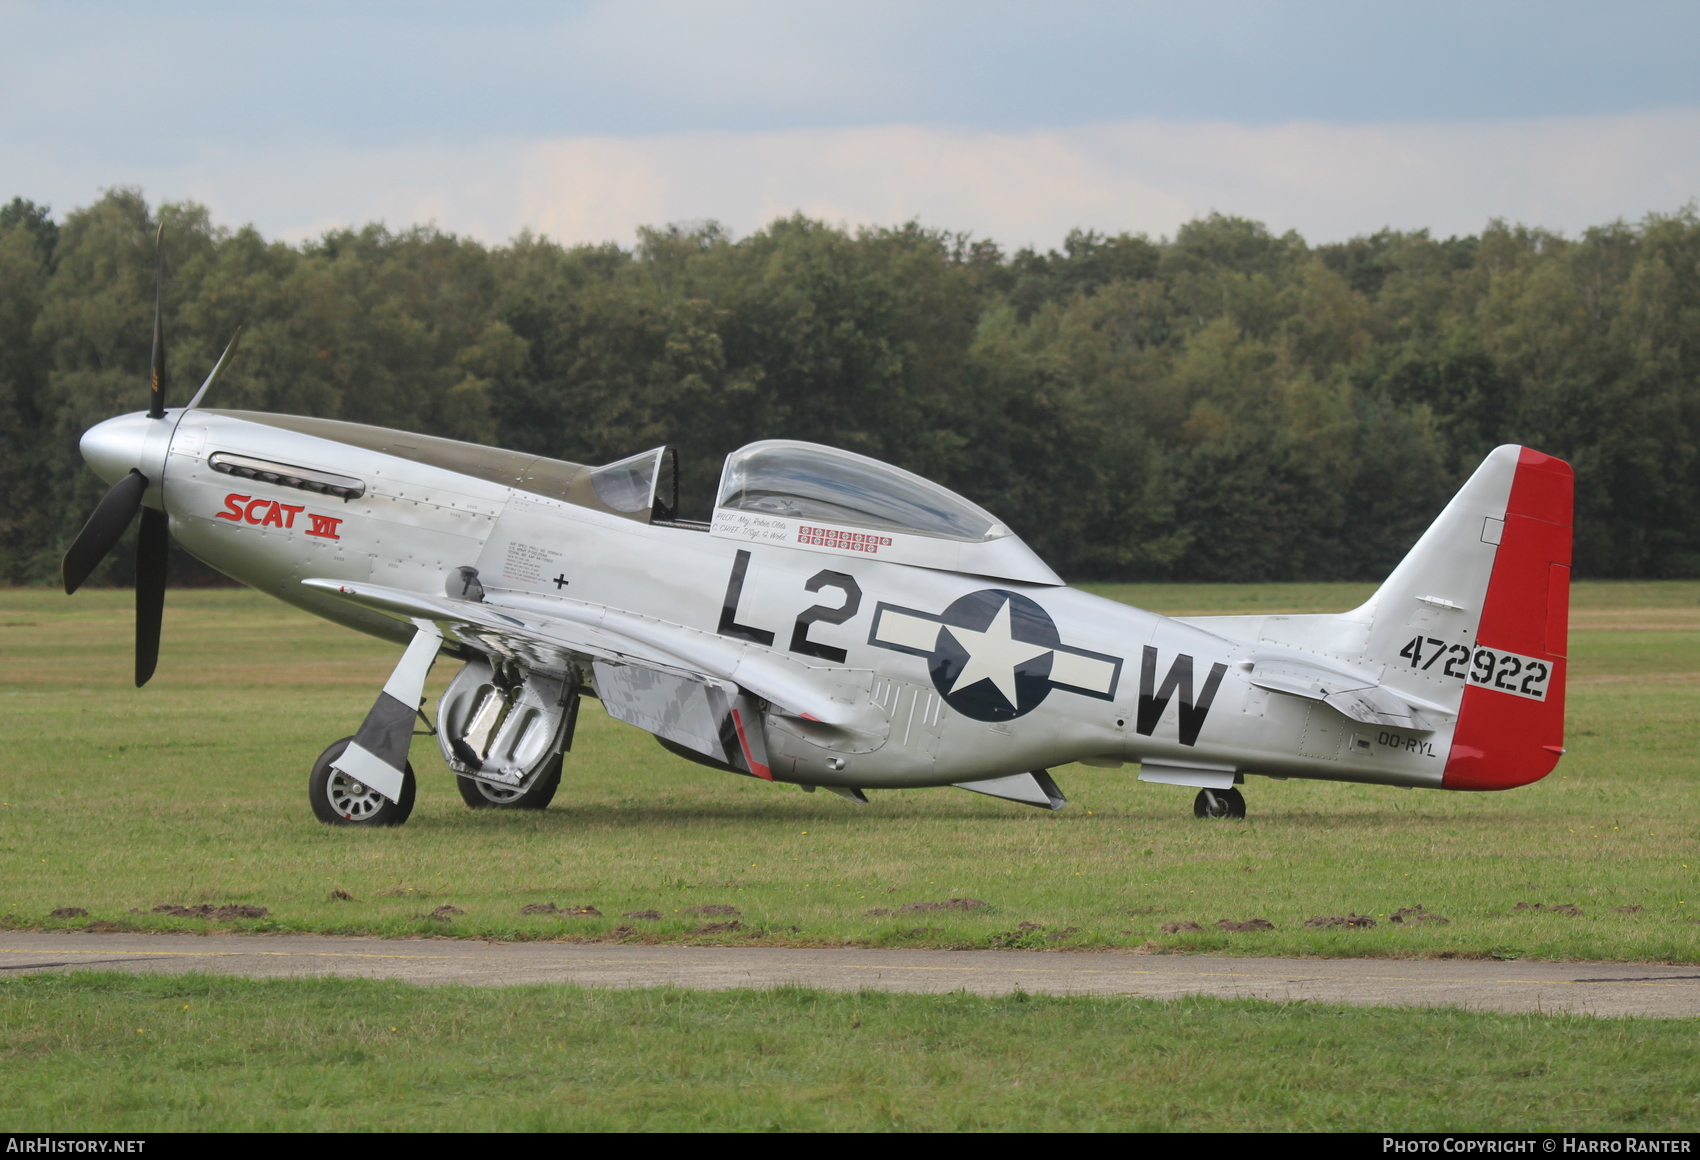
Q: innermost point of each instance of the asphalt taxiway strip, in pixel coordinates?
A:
(1583, 988)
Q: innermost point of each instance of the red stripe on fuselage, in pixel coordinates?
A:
(1503, 741)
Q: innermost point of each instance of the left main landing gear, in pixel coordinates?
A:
(341, 800)
(1219, 803)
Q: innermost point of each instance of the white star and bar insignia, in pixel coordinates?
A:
(994, 652)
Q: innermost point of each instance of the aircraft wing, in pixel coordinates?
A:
(616, 637)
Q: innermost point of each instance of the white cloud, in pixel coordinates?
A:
(1020, 188)
(1326, 181)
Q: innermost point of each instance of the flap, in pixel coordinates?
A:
(703, 718)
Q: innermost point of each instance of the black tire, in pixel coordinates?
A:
(1219, 803)
(481, 795)
(335, 802)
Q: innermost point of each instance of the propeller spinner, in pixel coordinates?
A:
(120, 447)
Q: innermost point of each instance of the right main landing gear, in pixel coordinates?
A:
(481, 795)
(503, 729)
(1219, 803)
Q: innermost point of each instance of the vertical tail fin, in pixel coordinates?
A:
(1506, 737)
(1470, 626)
(1477, 614)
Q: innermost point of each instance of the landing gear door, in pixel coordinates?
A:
(504, 726)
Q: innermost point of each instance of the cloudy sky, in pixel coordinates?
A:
(1017, 121)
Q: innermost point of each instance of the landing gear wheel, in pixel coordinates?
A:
(481, 795)
(340, 800)
(1219, 803)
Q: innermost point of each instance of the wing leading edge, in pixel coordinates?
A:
(693, 688)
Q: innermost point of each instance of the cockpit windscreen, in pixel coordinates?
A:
(806, 481)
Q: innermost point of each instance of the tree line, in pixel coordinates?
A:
(1228, 404)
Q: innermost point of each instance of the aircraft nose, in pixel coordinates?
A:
(114, 446)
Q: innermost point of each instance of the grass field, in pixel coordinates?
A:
(192, 791)
(128, 1053)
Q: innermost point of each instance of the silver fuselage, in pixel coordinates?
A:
(416, 522)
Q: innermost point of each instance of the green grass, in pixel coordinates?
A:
(193, 790)
(127, 1053)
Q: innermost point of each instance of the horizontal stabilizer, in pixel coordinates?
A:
(1033, 789)
(1355, 697)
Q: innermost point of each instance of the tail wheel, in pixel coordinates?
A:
(340, 800)
(1219, 803)
(481, 795)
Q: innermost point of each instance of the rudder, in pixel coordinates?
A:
(1505, 736)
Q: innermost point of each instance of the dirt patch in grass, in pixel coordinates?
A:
(208, 910)
(586, 911)
(1348, 921)
(643, 915)
(947, 904)
(69, 912)
(714, 909)
(1468, 956)
(1248, 925)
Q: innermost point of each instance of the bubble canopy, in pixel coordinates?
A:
(806, 481)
